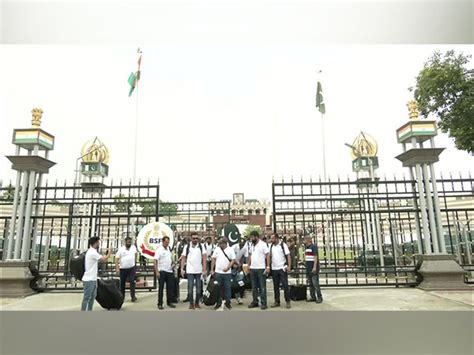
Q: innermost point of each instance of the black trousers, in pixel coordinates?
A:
(128, 275)
(168, 279)
(280, 277)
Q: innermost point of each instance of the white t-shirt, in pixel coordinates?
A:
(209, 250)
(278, 258)
(258, 253)
(127, 257)
(92, 259)
(221, 260)
(194, 259)
(164, 259)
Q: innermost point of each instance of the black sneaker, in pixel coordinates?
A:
(171, 305)
(263, 307)
(160, 307)
(319, 300)
(217, 306)
(228, 306)
(134, 299)
(253, 305)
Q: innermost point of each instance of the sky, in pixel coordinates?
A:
(215, 119)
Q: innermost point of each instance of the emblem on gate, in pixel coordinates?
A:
(150, 237)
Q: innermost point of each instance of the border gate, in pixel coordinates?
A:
(370, 236)
(65, 217)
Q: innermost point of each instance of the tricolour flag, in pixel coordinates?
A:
(134, 77)
(320, 100)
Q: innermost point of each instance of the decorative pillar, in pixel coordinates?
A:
(93, 170)
(15, 275)
(365, 162)
(440, 270)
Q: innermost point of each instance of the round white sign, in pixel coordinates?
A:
(150, 236)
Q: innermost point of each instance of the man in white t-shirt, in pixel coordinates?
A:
(89, 279)
(281, 263)
(223, 259)
(125, 266)
(259, 260)
(164, 272)
(194, 258)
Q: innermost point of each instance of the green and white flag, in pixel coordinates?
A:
(320, 100)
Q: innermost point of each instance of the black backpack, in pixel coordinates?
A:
(77, 265)
(189, 245)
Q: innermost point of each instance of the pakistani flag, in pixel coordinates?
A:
(134, 77)
(320, 100)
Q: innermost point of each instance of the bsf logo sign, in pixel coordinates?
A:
(150, 237)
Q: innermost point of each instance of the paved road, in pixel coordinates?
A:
(353, 299)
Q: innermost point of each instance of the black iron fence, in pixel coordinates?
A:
(65, 217)
(367, 232)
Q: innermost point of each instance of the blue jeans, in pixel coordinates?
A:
(90, 291)
(224, 284)
(192, 278)
(314, 288)
(259, 286)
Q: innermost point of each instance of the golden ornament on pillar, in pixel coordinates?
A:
(94, 151)
(413, 109)
(36, 114)
(364, 146)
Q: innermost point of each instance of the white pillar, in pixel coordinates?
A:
(19, 225)
(13, 221)
(424, 217)
(433, 229)
(27, 229)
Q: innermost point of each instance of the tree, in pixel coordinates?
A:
(9, 193)
(148, 206)
(445, 89)
(251, 228)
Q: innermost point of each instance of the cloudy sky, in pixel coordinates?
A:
(217, 115)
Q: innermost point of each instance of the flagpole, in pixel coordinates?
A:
(324, 147)
(136, 140)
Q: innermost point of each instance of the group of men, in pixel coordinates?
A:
(223, 262)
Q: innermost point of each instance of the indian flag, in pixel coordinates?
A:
(134, 77)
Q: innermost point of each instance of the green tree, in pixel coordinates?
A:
(9, 193)
(148, 206)
(121, 203)
(445, 89)
(166, 208)
(251, 228)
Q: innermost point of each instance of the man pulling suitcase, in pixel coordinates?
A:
(89, 279)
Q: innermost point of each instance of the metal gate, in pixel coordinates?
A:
(368, 236)
(67, 216)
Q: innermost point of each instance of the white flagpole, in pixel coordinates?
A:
(324, 147)
(136, 140)
(136, 120)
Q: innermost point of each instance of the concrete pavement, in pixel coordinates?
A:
(350, 299)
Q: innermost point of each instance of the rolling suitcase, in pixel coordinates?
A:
(77, 265)
(211, 294)
(298, 291)
(108, 293)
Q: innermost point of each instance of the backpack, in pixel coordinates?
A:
(189, 245)
(77, 265)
